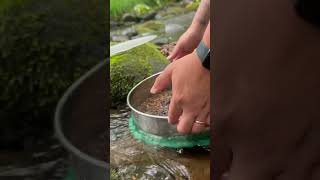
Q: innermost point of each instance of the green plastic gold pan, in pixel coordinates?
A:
(153, 129)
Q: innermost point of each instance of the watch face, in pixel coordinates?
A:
(309, 10)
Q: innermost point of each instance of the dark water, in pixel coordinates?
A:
(131, 159)
(45, 161)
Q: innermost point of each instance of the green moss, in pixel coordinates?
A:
(118, 7)
(141, 9)
(113, 174)
(193, 6)
(129, 68)
(111, 43)
(44, 47)
(175, 10)
(150, 27)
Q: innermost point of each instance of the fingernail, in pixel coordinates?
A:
(153, 90)
(169, 121)
(169, 57)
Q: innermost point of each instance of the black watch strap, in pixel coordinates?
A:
(206, 62)
(204, 55)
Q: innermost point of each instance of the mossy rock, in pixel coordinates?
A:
(171, 12)
(141, 9)
(150, 27)
(44, 47)
(113, 175)
(131, 67)
(193, 6)
(111, 43)
(176, 10)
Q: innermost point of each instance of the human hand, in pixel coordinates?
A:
(187, 42)
(190, 102)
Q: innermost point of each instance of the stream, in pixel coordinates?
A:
(131, 159)
(45, 161)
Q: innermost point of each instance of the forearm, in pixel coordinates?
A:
(202, 16)
(203, 49)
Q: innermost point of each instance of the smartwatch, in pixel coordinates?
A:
(203, 53)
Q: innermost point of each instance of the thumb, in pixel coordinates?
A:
(162, 81)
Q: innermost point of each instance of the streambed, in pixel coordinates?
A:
(131, 159)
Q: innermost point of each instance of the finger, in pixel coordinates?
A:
(180, 55)
(208, 120)
(177, 57)
(175, 111)
(199, 127)
(162, 81)
(185, 123)
(202, 117)
(174, 52)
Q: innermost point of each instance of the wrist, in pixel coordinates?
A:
(203, 54)
(206, 37)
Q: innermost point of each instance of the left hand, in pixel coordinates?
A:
(190, 100)
(186, 44)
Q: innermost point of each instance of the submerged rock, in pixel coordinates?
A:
(171, 12)
(129, 18)
(174, 28)
(130, 32)
(161, 41)
(119, 38)
(148, 16)
(129, 68)
(150, 26)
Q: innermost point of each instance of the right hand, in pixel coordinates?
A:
(186, 44)
(190, 102)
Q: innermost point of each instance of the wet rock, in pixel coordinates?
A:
(171, 12)
(177, 25)
(129, 18)
(167, 49)
(161, 41)
(119, 38)
(129, 32)
(150, 26)
(114, 24)
(173, 28)
(149, 16)
(158, 16)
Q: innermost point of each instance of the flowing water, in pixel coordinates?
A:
(131, 159)
(47, 161)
